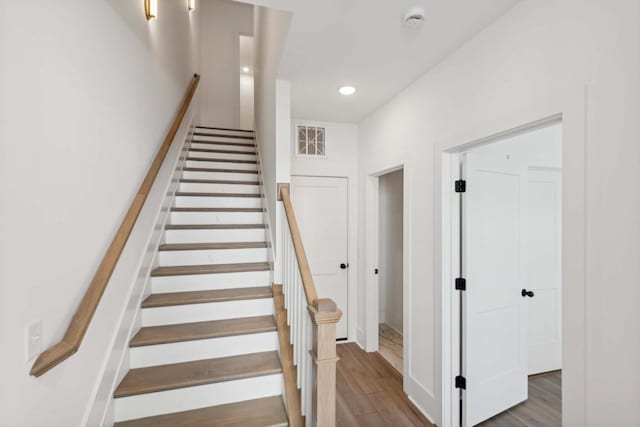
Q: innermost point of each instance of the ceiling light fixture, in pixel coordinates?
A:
(245, 69)
(151, 9)
(347, 90)
(191, 5)
(414, 17)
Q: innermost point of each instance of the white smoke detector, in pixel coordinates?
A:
(414, 17)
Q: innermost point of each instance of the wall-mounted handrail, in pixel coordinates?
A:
(81, 320)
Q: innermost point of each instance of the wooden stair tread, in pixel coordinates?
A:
(202, 297)
(228, 129)
(183, 270)
(176, 209)
(219, 170)
(199, 194)
(213, 226)
(220, 151)
(217, 181)
(166, 334)
(208, 159)
(187, 374)
(221, 135)
(265, 412)
(211, 246)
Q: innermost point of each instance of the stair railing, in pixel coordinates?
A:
(312, 326)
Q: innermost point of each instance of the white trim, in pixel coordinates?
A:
(571, 109)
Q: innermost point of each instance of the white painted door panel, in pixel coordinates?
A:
(321, 210)
(544, 269)
(495, 315)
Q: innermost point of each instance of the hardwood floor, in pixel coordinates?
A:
(390, 345)
(543, 408)
(369, 392)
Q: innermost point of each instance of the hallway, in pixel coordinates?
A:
(369, 392)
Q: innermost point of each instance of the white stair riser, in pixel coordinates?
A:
(234, 156)
(184, 399)
(162, 354)
(232, 176)
(224, 146)
(222, 136)
(217, 217)
(203, 312)
(229, 137)
(221, 165)
(215, 236)
(217, 202)
(219, 188)
(213, 256)
(241, 132)
(203, 282)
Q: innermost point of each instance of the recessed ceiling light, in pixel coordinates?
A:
(347, 90)
(245, 69)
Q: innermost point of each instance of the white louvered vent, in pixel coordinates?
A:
(311, 141)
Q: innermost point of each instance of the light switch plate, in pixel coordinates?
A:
(33, 340)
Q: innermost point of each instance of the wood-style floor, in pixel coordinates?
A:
(390, 345)
(369, 392)
(543, 408)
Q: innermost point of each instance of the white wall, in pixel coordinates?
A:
(223, 23)
(272, 110)
(89, 89)
(341, 160)
(246, 82)
(540, 55)
(391, 187)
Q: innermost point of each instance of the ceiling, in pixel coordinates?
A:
(364, 44)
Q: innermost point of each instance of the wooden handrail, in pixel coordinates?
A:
(74, 335)
(301, 256)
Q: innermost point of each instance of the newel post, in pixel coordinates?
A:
(325, 315)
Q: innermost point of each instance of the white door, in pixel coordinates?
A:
(495, 312)
(321, 210)
(544, 269)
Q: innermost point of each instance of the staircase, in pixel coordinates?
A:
(207, 352)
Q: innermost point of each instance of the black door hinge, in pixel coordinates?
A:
(461, 186)
(461, 382)
(461, 284)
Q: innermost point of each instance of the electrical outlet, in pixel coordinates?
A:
(33, 340)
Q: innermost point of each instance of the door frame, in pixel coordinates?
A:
(372, 245)
(352, 255)
(573, 260)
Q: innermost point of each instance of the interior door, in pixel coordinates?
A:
(545, 269)
(320, 204)
(494, 312)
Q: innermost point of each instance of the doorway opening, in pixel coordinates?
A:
(506, 312)
(390, 256)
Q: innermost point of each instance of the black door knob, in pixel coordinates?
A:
(343, 265)
(526, 293)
